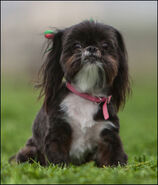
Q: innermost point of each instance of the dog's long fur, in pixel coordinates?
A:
(68, 128)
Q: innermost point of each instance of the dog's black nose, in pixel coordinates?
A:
(91, 49)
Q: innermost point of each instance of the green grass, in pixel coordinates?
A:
(138, 132)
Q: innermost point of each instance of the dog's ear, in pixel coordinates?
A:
(121, 84)
(52, 73)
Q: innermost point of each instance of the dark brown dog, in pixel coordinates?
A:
(69, 128)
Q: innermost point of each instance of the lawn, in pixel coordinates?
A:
(138, 132)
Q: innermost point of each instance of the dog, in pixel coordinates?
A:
(85, 82)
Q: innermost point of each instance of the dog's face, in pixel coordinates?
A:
(91, 56)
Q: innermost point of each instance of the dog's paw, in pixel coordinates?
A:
(28, 153)
(120, 159)
(58, 159)
(114, 161)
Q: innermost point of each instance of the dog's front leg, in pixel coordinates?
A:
(110, 150)
(57, 143)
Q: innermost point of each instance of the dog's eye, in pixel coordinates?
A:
(105, 45)
(77, 46)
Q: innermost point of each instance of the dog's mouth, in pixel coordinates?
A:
(91, 59)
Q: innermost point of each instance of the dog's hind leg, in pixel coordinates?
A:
(29, 153)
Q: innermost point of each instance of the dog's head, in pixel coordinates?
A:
(92, 57)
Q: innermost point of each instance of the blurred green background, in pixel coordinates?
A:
(23, 24)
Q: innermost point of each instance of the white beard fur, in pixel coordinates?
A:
(88, 77)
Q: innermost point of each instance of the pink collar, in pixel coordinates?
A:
(93, 99)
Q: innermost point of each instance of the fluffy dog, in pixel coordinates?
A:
(78, 120)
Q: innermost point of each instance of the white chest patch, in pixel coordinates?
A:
(79, 110)
(79, 114)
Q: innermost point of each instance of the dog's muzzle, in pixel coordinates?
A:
(91, 54)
